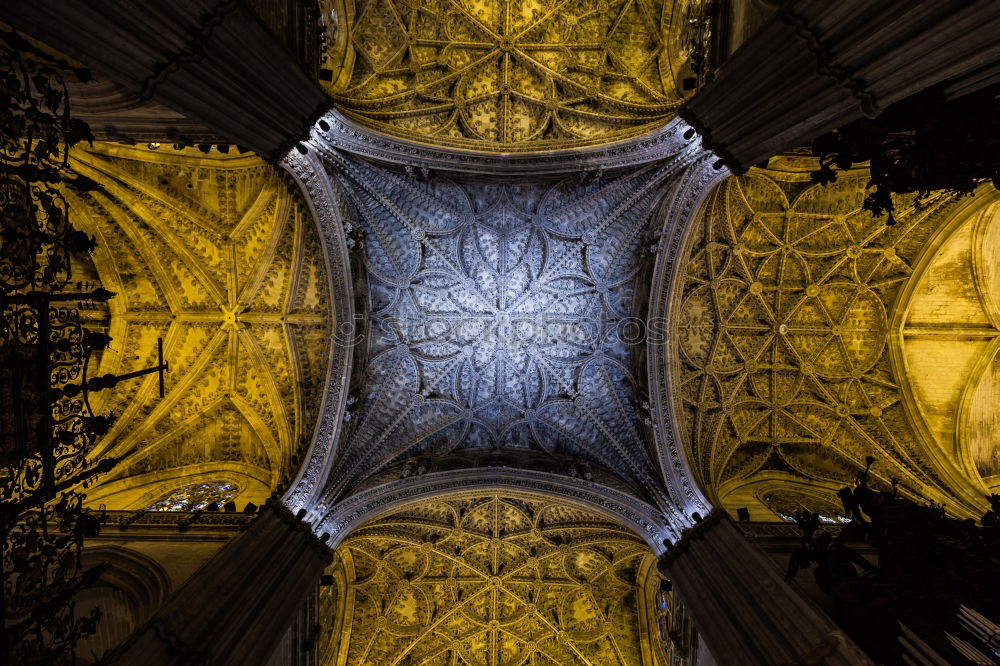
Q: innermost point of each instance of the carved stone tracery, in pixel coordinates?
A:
(780, 342)
(510, 75)
(220, 258)
(489, 579)
(498, 317)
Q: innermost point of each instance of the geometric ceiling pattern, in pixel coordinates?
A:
(782, 367)
(497, 320)
(486, 580)
(508, 75)
(951, 344)
(219, 257)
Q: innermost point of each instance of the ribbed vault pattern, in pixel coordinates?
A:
(219, 257)
(508, 75)
(782, 339)
(498, 317)
(486, 580)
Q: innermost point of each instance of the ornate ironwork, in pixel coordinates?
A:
(47, 426)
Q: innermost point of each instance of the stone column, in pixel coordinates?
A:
(743, 609)
(212, 61)
(816, 66)
(237, 609)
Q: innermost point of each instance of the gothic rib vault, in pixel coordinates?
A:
(219, 257)
(490, 579)
(785, 349)
(948, 342)
(499, 329)
(507, 75)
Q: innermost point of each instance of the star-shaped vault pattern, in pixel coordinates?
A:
(511, 75)
(219, 257)
(782, 368)
(499, 317)
(487, 580)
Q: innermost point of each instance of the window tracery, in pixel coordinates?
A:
(198, 496)
(786, 502)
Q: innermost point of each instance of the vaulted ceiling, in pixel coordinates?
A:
(219, 257)
(949, 343)
(498, 323)
(790, 365)
(488, 580)
(507, 75)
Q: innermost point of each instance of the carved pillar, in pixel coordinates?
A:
(819, 65)
(238, 608)
(210, 60)
(743, 609)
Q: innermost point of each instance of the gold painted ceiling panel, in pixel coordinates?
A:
(220, 258)
(486, 581)
(951, 344)
(508, 75)
(781, 339)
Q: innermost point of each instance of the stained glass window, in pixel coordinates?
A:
(198, 496)
(663, 603)
(786, 503)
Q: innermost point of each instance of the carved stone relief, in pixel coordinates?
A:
(487, 580)
(508, 76)
(779, 344)
(499, 318)
(220, 258)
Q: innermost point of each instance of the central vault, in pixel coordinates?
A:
(499, 322)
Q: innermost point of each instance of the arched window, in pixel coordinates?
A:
(198, 496)
(787, 502)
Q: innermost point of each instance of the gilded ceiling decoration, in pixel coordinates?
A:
(951, 344)
(498, 319)
(483, 581)
(508, 75)
(782, 365)
(219, 257)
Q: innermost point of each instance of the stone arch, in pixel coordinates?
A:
(131, 588)
(643, 519)
(947, 410)
(324, 206)
(678, 216)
